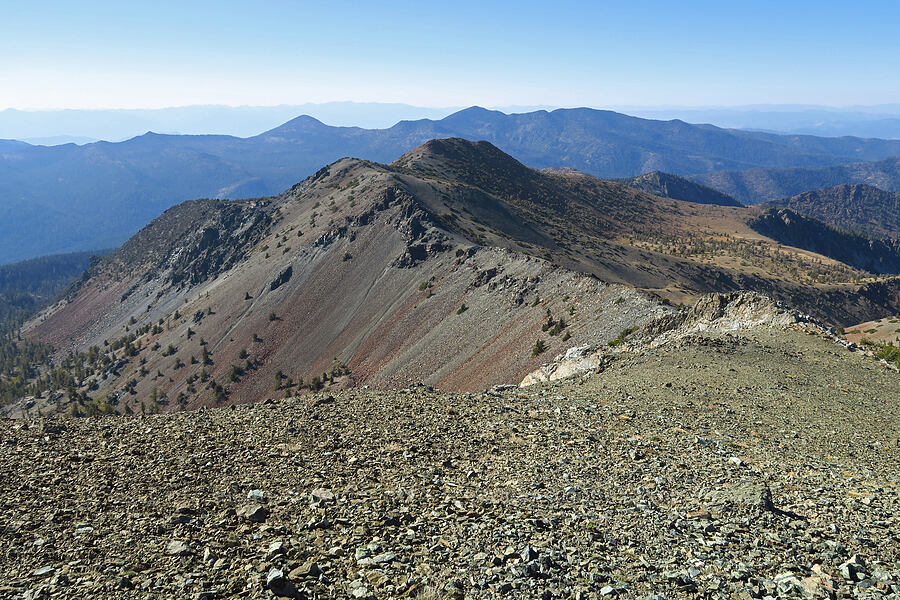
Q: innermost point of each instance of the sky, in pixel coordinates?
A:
(88, 54)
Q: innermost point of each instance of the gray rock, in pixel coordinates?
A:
(384, 557)
(745, 494)
(853, 569)
(255, 513)
(276, 548)
(274, 578)
(178, 548)
(44, 571)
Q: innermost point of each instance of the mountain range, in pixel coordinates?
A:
(455, 265)
(753, 186)
(69, 198)
(81, 126)
(862, 121)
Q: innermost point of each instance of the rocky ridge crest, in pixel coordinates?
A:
(713, 313)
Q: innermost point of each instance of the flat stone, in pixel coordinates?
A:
(178, 548)
(276, 548)
(255, 513)
(44, 571)
(309, 569)
(321, 496)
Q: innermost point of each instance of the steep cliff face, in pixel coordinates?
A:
(861, 208)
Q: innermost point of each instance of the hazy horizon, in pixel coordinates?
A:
(81, 126)
(106, 54)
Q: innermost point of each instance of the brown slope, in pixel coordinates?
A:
(676, 249)
(374, 284)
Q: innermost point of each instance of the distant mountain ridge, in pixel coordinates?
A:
(69, 198)
(859, 207)
(753, 186)
(862, 121)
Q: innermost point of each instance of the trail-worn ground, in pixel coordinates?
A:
(761, 463)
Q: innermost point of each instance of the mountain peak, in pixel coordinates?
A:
(457, 158)
(476, 111)
(297, 125)
(474, 116)
(455, 150)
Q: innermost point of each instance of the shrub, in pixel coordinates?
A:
(235, 374)
(538, 348)
(558, 327)
(890, 353)
(625, 333)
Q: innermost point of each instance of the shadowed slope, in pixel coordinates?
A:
(861, 208)
(673, 186)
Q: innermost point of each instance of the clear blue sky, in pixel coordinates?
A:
(88, 54)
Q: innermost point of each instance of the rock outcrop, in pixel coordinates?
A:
(712, 313)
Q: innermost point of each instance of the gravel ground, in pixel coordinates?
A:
(762, 463)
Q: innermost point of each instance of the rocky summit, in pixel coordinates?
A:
(751, 463)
